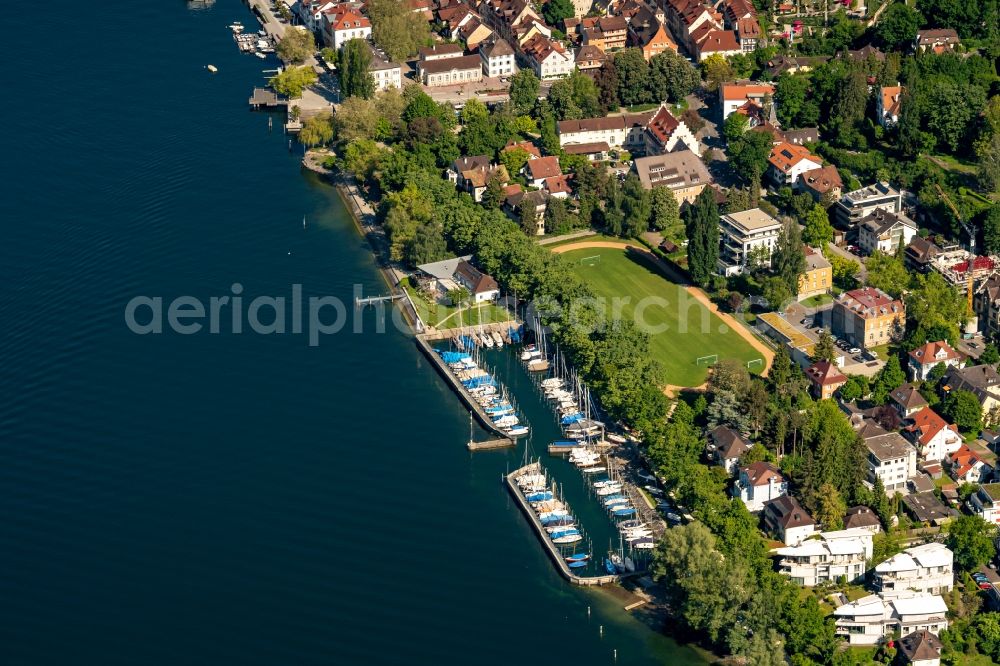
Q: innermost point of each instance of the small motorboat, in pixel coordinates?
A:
(539, 497)
(212, 68)
(578, 557)
(517, 431)
(594, 469)
(624, 512)
(609, 566)
(260, 55)
(617, 439)
(569, 538)
(578, 564)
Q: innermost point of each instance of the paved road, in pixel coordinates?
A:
(863, 273)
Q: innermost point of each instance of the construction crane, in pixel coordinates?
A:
(972, 243)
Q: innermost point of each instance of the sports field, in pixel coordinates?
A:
(681, 328)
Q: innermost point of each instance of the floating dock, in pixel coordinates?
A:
(463, 393)
(557, 557)
(563, 447)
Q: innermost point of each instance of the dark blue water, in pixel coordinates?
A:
(229, 498)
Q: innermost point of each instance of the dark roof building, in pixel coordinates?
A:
(921, 647)
(862, 517)
(927, 508)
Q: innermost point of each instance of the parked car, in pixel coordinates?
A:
(855, 350)
(978, 575)
(985, 586)
(653, 490)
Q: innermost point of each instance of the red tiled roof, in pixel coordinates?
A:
(927, 424)
(663, 124)
(760, 473)
(785, 156)
(825, 373)
(928, 353)
(543, 167)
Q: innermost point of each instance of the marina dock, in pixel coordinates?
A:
(560, 562)
(474, 407)
(491, 444)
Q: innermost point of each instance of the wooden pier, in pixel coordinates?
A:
(466, 397)
(262, 98)
(360, 302)
(491, 444)
(563, 448)
(557, 557)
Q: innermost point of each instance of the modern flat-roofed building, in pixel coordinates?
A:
(854, 206)
(833, 556)
(870, 619)
(742, 233)
(891, 459)
(927, 568)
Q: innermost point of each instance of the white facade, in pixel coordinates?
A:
(794, 172)
(756, 489)
(740, 234)
(927, 568)
(387, 77)
(499, 64)
(891, 459)
(869, 619)
(833, 556)
(985, 503)
(345, 30)
(888, 238)
(554, 66)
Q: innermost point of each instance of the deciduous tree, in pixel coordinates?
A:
(817, 230)
(702, 230)
(297, 45)
(355, 79)
(972, 540)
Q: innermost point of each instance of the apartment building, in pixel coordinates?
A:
(740, 234)
(870, 619)
(926, 569)
(868, 317)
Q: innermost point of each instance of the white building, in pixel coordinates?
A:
(342, 23)
(788, 161)
(385, 74)
(619, 131)
(498, 58)
(883, 231)
(734, 95)
(550, 59)
(740, 234)
(788, 521)
(758, 483)
(985, 502)
(665, 134)
(923, 359)
(859, 204)
(927, 568)
(451, 71)
(888, 105)
(891, 459)
(835, 555)
(869, 619)
(933, 435)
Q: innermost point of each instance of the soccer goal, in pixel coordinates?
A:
(707, 360)
(591, 260)
(759, 362)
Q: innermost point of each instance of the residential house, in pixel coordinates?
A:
(743, 233)
(985, 502)
(498, 58)
(981, 380)
(608, 33)
(758, 483)
(589, 58)
(526, 146)
(626, 131)
(823, 184)
(451, 71)
(882, 231)
(826, 560)
(682, 171)
(920, 648)
(342, 23)
(508, 17)
(726, 447)
(966, 466)
(907, 400)
(937, 40)
(825, 379)
(862, 518)
(932, 435)
(888, 104)
(923, 359)
(648, 33)
(891, 459)
(868, 317)
(537, 170)
(855, 206)
(870, 619)
(986, 304)
(865, 53)
(595, 152)
(787, 162)
(474, 33)
(689, 19)
(557, 186)
(788, 521)
(548, 58)
(927, 569)
(665, 133)
(920, 253)
(734, 95)
(716, 42)
(456, 172)
(818, 276)
(925, 507)
(748, 34)
(385, 73)
(310, 12)
(780, 64)
(472, 174)
(441, 52)
(456, 272)
(537, 199)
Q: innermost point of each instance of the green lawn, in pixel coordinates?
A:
(443, 316)
(818, 300)
(681, 328)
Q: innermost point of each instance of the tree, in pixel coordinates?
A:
(317, 130)
(666, 216)
(458, 296)
(817, 230)
(514, 160)
(797, 105)
(845, 271)
(888, 379)
(788, 259)
(775, 291)
(717, 70)
(702, 228)
(990, 355)
(991, 230)
(963, 409)
(633, 77)
(493, 196)
(399, 31)
(672, 77)
(293, 81)
(832, 508)
(749, 155)
(636, 206)
(972, 540)
(824, 349)
(555, 11)
(527, 216)
(297, 45)
(898, 26)
(736, 125)
(524, 88)
(355, 79)
(887, 272)
(936, 306)
(854, 389)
